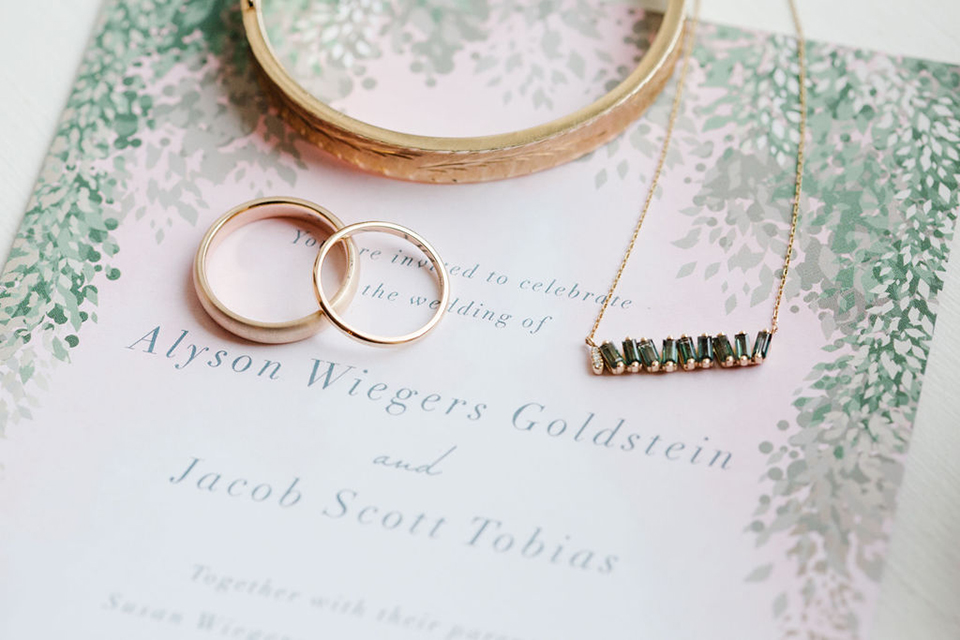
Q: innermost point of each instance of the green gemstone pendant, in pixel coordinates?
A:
(761, 346)
(679, 353)
(648, 355)
(722, 351)
(705, 351)
(612, 358)
(741, 349)
(631, 354)
(670, 355)
(688, 354)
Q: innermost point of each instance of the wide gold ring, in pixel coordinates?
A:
(326, 304)
(261, 209)
(474, 159)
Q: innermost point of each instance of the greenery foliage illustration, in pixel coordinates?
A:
(878, 213)
(132, 106)
(168, 88)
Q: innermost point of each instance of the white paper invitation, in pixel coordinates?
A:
(164, 479)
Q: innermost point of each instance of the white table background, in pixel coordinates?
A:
(41, 44)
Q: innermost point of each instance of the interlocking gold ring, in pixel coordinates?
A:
(407, 234)
(474, 159)
(262, 209)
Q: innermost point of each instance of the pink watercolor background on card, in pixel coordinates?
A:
(772, 517)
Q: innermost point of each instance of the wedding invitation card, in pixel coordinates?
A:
(161, 478)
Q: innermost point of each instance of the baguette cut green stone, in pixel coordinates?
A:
(648, 355)
(631, 353)
(741, 348)
(705, 351)
(669, 357)
(722, 350)
(761, 346)
(687, 351)
(612, 358)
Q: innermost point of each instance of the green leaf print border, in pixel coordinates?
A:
(878, 214)
(831, 491)
(129, 106)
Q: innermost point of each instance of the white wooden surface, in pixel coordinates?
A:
(41, 44)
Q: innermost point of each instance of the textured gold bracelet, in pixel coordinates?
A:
(472, 159)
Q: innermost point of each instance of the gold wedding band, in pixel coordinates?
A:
(262, 209)
(474, 159)
(439, 268)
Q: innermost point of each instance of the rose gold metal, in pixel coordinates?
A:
(407, 234)
(261, 209)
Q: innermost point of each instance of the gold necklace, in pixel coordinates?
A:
(683, 353)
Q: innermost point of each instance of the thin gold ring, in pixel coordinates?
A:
(262, 209)
(407, 234)
(474, 159)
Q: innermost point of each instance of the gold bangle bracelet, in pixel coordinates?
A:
(472, 159)
(262, 209)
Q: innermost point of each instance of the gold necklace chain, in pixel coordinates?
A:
(674, 112)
